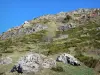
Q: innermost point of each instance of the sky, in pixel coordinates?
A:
(14, 12)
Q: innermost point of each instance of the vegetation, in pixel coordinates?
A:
(67, 19)
(88, 61)
(58, 69)
(83, 40)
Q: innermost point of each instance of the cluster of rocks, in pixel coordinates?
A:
(34, 62)
(23, 30)
(72, 13)
(66, 27)
(80, 12)
(78, 17)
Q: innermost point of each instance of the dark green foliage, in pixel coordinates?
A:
(58, 69)
(54, 48)
(88, 61)
(67, 19)
(5, 44)
(45, 21)
(2, 73)
(0, 55)
(72, 43)
(33, 38)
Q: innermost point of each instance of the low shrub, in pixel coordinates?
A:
(0, 55)
(8, 51)
(56, 48)
(58, 69)
(88, 61)
(67, 19)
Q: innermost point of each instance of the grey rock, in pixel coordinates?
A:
(27, 28)
(34, 62)
(67, 59)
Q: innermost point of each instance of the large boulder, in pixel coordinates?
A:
(34, 62)
(68, 59)
(5, 60)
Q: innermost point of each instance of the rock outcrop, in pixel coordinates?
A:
(34, 62)
(25, 29)
(76, 18)
(68, 59)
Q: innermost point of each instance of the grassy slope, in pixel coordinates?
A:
(81, 39)
(68, 69)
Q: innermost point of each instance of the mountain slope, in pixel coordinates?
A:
(69, 20)
(76, 32)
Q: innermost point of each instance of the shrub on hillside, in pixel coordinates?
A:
(57, 69)
(0, 55)
(67, 19)
(54, 48)
(88, 61)
(5, 44)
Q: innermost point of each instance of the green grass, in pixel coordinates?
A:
(68, 70)
(6, 68)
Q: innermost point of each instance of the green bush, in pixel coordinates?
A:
(5, 44)
(0, 55)
(8, 51)
(70, 44)
(33, 37)
(58, 69)
(67, 19)
(88, 61)
(54, 48)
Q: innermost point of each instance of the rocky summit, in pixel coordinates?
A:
(60, 21)
(66, 43)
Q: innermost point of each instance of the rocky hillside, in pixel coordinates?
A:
(75, 32)
(60, 21)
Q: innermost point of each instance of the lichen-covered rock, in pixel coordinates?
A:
(68, 59)
(5, 60)
(34, 62)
